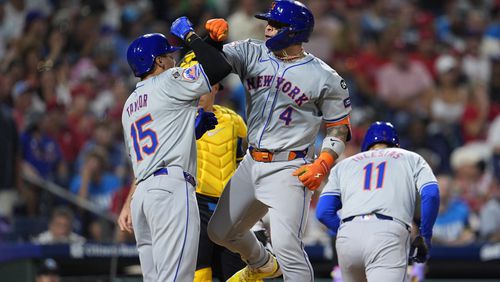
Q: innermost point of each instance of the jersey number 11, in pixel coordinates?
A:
(368, 175)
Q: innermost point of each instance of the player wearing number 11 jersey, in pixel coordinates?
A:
(377, 190)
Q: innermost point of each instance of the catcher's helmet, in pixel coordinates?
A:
(380, 132)
(298, 21)
(142, 52)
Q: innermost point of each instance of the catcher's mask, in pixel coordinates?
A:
(142, 52)
(380, 132)
(294, 20)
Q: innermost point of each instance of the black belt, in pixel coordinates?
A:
(188, 177)
(379, 216)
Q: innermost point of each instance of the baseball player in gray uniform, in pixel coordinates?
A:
(290, 93)
(159, 127)
(376, 190)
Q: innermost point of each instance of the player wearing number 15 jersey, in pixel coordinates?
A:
(159, 127)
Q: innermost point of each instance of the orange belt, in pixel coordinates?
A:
(261, 155)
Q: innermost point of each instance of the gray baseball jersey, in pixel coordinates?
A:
(286, 103)
(158, 122)
(382, 181)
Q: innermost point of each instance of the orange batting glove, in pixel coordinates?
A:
(217, 28)
(311, 175)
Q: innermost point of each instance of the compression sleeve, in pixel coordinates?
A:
(214, 63)
(326, 211)
(429, 209)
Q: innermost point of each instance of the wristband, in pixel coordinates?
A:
(334, 144)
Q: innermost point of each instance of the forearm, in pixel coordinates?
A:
(312, 175)
(84, 187)
(216, 44)
(429, 209)
(340, 132)
(214, 63)
(130, 193)
(326, 211)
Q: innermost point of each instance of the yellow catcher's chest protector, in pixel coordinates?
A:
(217, 152)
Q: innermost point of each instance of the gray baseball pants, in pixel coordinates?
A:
(255, 189)
(166, 226)
(373, 250)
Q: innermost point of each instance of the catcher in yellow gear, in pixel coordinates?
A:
(219, 151)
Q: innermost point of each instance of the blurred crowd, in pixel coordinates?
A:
(430, 67)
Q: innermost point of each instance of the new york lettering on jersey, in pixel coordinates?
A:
(291, 105)
(282, 84)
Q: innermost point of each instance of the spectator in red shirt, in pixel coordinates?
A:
(475, 117)
(494, 88)
(403, 86)
(80, 120)
(426, 51)
(366, 65)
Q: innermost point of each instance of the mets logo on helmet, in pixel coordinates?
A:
(191, 73)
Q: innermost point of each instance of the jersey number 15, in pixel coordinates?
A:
(139, 133)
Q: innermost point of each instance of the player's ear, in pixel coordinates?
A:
(165, 61)
(159, 60)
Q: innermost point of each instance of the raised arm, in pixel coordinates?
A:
(212, 60)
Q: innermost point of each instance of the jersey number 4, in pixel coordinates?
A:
(286, 115)
(139, 133)
(368, 175)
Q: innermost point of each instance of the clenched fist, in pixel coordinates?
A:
(311, 175)
(218, 29)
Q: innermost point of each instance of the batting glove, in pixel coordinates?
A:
(181, 27)
(218, 29)
(311, 175)
(419, 250)
(204, 122)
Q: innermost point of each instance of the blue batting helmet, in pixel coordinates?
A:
(297, 19)
(380, 132)
(142, 52)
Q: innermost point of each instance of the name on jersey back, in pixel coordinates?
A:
(377, 154)
(139, 103)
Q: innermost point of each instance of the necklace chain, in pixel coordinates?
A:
(288, 58)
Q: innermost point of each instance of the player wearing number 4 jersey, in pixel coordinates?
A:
(219, 152)
(159, 126)
(376, 190)
(290, 93)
